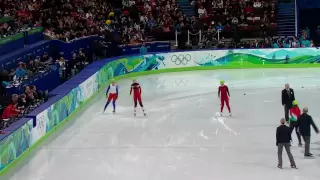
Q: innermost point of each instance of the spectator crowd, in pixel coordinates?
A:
(251, 17)
(127, 21)
(20, 104)
(14, 106)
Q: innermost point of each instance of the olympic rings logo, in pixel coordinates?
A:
(181, 59)
(173, 83)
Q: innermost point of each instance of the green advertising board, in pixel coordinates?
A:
(6, 19)
(11, 38)
(35, 30)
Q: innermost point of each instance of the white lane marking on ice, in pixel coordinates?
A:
(221, 121)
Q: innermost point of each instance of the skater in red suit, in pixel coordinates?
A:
(224, 95)
(136, 89)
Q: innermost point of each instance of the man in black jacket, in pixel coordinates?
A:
(304, 122)
(284, 140)
(287, 97)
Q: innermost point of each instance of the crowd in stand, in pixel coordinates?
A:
(22, 13)
(15, 106)
(235, 20)
(244, 15)
(269, 42)
(20, 105)
(70, 19)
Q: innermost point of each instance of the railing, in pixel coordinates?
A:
(199, 33)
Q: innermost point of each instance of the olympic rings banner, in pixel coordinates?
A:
(73, 95)
(240, 57)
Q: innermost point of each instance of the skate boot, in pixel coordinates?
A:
(300, 144)
(114, 111)
(294, 167)
(143, 111)
(230, 114)
(279, 166)
(221, 114)
(135, 114)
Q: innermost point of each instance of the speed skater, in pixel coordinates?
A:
(224, 95)
(136, 90)
(295, 112)
(112, 94)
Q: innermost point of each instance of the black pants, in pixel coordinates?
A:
(294, 125)
(286, 112)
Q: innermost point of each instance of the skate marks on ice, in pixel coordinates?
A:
(218, 119)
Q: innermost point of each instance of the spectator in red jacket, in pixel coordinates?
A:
(10, 112)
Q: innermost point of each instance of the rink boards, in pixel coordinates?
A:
(73, 95)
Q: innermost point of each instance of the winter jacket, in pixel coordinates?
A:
(304, 122)
(9, 112)
(294, 113)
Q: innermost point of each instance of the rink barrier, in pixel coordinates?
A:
(71, 97)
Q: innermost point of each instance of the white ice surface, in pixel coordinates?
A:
(181, 139)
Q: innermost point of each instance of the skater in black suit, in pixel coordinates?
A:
(287, 97)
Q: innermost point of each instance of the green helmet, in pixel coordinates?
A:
(222, 82)
(294, 102)
(113, 80)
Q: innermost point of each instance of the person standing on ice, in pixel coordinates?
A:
(283, 137)
(224, 95)
(295, 112)
(304, 122)
(112, 94)
(287, 97)
(136, 90)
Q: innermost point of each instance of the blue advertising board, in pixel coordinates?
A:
(56, 48)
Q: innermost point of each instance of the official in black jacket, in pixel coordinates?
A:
(284, 140)
(287, 96)
(304, 123)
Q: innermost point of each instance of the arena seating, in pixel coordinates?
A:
(251, 18)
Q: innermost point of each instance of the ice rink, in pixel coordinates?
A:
(181, 138)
